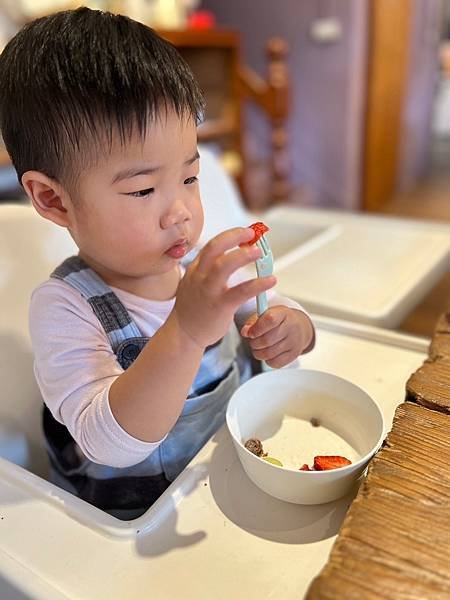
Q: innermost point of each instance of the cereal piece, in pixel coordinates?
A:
(255, 447)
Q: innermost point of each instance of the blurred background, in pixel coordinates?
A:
(341, 104)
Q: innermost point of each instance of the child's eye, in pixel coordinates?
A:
(190, 180)
(142, 193)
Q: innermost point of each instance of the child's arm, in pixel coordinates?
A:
(147, 399)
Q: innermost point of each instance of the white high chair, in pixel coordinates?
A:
(30, 247)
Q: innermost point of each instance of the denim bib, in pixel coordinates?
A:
(131, 490)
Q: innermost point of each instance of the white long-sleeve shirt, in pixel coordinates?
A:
(75, 365)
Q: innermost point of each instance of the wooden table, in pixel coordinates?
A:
(395, 539)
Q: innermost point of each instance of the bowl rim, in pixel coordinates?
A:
(351, 466)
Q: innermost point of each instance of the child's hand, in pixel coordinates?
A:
(205, 304)
(279, 335)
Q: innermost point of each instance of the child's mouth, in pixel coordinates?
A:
(178, 250)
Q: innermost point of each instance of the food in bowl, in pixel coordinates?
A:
(326, 463)
(255, 447)
(273, 461)
(321, 463)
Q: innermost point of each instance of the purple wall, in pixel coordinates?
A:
(328, 89)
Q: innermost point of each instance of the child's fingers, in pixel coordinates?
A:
(226, 264)
(273, 351)
(250, 321)
(242, 292)
(283, 359)
(221, 243)
(268, 339)
(270, 319)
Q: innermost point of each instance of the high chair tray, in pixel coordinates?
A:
(212, 534)
(368, 269)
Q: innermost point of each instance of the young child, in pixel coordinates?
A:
(135, 355)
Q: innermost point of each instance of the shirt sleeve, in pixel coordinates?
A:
(74, 368)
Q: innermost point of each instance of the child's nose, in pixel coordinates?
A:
(175, 214)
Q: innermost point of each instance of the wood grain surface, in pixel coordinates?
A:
(430, 385)
(395, 540)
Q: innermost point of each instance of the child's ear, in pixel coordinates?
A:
(48, 197)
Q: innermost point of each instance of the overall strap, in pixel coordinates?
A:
(109, 310)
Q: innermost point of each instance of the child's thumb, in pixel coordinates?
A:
(248, 324)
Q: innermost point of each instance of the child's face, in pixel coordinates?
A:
(138, 211)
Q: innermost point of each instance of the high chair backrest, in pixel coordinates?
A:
(222, 203)
(30, 247)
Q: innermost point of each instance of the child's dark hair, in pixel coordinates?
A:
(76, 77)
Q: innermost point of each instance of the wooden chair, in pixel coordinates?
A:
(214, 57)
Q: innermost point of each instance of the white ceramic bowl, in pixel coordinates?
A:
(277, 407)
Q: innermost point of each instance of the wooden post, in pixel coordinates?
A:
(389, 43)
(279, 91)
(272, 95)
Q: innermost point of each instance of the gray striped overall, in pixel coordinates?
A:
(128, 492)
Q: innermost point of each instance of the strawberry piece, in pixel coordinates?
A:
(305, 468)
(326, 463)
(259, 229)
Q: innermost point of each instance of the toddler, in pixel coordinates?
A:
(136, 353)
